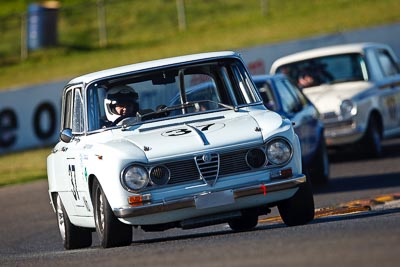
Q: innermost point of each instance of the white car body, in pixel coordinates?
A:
(96, 160)
(347, 106)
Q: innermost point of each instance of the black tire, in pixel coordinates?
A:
(111, 232)
(319, 169)
(246, 222)
(372, 141)
(74, 237)
(299, 209)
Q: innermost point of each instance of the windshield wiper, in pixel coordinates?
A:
(164, 112)
(234, 108)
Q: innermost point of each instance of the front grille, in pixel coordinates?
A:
(347, 124)
(183, 171)
(233, 162)
(329, 116)
(189, 170)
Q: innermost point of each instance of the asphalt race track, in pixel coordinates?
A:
(364, 230)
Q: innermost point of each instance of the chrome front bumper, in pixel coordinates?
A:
(342, 133)
(190, 201)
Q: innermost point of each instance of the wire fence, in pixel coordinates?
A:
(108, 23)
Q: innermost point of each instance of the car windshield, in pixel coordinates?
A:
(169, 92)
(328, 69)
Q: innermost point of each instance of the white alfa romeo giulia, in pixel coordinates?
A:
(132, 155)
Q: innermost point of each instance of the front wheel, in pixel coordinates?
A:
(319, 170)
(372, 141)
(74, 237)
(298, 209)
(111, 232)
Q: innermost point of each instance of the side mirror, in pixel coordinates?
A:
(66, 135)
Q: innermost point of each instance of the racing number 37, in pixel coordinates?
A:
(183, 131)
(72, 176)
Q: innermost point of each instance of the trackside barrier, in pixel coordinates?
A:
(29, 117)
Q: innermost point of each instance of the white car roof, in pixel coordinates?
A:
(324, 51)
(154, 64)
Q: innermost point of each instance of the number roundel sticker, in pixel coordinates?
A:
(184, 131)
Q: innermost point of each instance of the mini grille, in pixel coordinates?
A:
(208, 166)
(329, 115)
(230, 163)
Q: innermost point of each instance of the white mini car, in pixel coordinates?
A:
(356, 88)
(131, 156)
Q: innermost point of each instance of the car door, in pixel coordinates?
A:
(69, 158)
(390, 90)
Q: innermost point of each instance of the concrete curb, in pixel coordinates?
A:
(379, 203)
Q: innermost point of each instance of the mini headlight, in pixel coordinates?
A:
(159, 175)
(279, 151)
(256, 158)
(135, 177)
(348, 108)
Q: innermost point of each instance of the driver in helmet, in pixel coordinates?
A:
(121, 103)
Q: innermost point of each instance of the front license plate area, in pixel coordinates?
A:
(214, 199)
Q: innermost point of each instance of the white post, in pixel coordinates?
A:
(264, 7)
(24, 47)
(101, 14)
(180, 5)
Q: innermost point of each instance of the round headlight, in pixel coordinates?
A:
(256, 158)
(279, 151)
(348, 108)
(135, 177)
(159, 175)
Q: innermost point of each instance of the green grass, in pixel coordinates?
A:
(143, 30)
(23, 166)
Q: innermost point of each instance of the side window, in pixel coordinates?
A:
(290, 102)
(387, 63)
(296, 91)
(67, 112)
(73, 111)
(267, 96)
(77, 116)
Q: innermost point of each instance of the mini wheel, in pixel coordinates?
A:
(74, 237)
(298, 209)
(111, 232)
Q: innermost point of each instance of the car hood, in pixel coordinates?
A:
(196, 134)
(328, 97)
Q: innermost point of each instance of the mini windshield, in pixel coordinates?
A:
(329, 69)
(169, 92)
